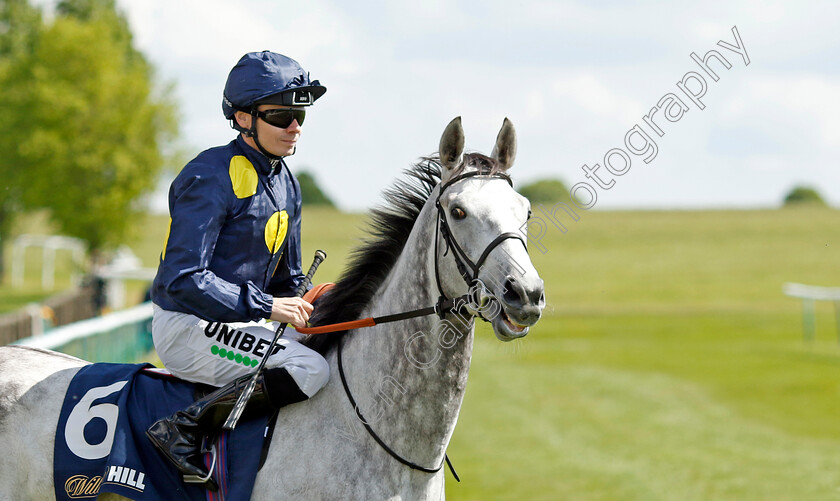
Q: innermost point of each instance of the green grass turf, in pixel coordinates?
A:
(668, 364)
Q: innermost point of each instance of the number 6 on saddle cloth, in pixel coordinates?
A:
(100, 442)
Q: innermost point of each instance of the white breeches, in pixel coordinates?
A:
(214, 353)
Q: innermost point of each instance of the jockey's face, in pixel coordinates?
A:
(277, 141)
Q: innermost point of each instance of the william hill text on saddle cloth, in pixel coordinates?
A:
(232, 261)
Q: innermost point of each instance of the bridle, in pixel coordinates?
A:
(467, 268)
(469, 272)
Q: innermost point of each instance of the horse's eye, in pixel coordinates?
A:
(458, 213)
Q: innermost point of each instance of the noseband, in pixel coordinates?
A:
(466, 267)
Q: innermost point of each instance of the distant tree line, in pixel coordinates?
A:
(551, 191)
(803, 195)
(310, 193)
(85, 127)
(545, 192)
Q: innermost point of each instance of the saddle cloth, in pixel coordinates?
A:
(101, 446)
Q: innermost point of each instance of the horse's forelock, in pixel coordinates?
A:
(481, 163)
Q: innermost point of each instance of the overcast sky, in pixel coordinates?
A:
(574, 78)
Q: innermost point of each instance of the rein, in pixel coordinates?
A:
(443, 306)
(478, 292)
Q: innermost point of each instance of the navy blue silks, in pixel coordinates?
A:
(234, 240)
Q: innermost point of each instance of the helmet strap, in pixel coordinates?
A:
(234, 124)
(252, 132)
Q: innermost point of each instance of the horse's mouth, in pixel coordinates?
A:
(507, 329)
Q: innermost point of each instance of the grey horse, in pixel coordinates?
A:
(456, 229)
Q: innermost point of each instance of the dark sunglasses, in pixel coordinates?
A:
(282, 117)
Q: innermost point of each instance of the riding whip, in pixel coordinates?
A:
(242, 401)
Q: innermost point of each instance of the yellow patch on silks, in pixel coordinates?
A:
(243, 177)
(275, 231)
(166, 240)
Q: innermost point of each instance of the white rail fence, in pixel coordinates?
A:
(122, 336)
(50, 245)
(810, 294)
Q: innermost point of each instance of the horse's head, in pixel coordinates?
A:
(482, 221)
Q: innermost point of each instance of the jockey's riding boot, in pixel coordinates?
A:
(179, 436)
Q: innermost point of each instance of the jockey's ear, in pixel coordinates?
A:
(452, 145)
(505, 149)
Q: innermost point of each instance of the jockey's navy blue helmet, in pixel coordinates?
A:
(268, 78)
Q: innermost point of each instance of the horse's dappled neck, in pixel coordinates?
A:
(389, 228)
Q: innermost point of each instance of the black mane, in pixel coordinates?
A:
(388, 229)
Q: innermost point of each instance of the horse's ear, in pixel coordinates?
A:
(505, 150)
(452, 144)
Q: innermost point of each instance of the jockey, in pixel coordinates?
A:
(232, 261)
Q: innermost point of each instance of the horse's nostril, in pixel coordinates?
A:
(511, 293)
(516, 294)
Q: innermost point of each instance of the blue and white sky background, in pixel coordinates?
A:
(573, 77)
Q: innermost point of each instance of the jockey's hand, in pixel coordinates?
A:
(293, 310)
